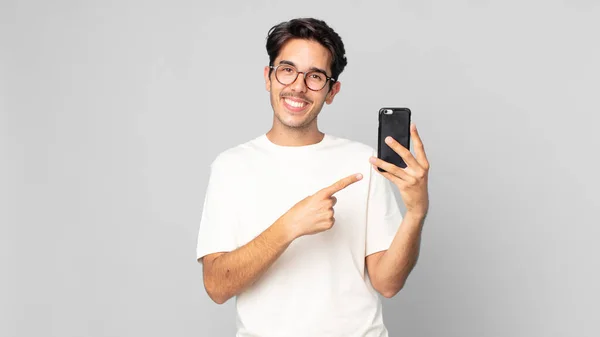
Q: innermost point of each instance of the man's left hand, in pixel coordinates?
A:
(411, 180)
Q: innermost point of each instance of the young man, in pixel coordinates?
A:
(299, 225)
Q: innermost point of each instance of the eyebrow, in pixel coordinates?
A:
(311, 68)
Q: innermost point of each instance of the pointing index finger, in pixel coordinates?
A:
(341, 184)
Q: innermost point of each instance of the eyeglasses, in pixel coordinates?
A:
(314, 80)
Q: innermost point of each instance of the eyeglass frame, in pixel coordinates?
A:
(327, 78)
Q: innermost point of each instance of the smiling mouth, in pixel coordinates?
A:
(295, 103)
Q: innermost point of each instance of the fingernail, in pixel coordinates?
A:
(372, 160)
(359, 176)
(413, 126)
(388, 139)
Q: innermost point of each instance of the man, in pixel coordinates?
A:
(299, 225)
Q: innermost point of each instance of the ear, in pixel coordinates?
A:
(332, 92)
(267, 78)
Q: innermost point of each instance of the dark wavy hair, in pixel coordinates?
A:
(311, 29)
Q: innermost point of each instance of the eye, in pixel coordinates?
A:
(287, 69)
(317, 77)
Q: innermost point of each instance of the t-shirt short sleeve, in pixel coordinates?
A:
(218, 220)
(383, 214)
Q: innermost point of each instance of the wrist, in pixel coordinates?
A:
(415, 216)
(284, 231)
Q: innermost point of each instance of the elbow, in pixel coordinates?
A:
(392, 287)
(391, 291)
(388, 294)
(216, 296)
(215, 292)
(388, 290)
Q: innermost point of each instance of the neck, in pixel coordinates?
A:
(286, 136)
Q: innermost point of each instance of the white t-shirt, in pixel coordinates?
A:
(319, 286)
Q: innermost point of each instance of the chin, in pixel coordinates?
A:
(294, 121)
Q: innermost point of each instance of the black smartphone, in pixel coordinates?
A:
(394, 122)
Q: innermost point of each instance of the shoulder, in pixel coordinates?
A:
(235, 154)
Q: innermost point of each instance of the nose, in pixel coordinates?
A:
(299, 85)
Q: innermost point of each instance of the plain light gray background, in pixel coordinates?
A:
(111, 112)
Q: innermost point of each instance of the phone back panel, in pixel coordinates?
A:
(394, 122)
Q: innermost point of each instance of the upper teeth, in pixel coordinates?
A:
(294, 103)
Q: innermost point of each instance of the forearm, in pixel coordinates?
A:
(398, 261)
(233, 272)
